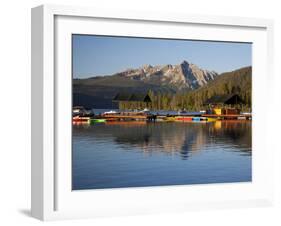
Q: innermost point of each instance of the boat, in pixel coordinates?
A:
(183, 118)
(98, 120)
(80, 119)
(146, 110)
(246, 113)
(196, 119)
(211, 119)
(170, 119)
(203, 120)
(110, 112)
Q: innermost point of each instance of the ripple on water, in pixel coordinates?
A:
(108, 156)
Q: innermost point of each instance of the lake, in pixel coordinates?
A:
(138, 154)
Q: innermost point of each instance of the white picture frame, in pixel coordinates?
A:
(52, 197)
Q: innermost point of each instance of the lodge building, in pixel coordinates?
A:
(132, 100)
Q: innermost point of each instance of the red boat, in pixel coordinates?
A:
(181, 118)
(80, 119)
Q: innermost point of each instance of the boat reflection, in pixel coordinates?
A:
(182, 139)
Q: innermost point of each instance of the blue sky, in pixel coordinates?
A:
(104, 55)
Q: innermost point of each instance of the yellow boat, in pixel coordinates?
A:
(211, 119)
(170, 119)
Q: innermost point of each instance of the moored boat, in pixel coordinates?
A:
(170, 119)
(80, 119)
(182, 118)
(146, 110)
(211, 119)
(98, 120)
(196, 119)
(110, 112)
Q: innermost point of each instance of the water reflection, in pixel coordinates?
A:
(184, 139)
(115, 155)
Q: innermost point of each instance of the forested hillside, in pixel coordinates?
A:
(235, 82)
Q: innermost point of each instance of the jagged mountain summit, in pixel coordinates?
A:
(181, 76)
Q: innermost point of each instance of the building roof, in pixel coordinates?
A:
(139, 97)
(225, 99)
(78, 108)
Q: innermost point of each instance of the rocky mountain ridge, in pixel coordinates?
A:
(181, 76)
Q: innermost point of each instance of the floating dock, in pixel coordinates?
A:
(135, 117)
(125, 117)
(229, 116)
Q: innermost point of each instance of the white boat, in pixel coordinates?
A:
(110, 112)
(146, 110)
(246, 113)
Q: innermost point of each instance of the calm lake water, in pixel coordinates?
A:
(163, 153)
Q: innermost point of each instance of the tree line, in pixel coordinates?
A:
(237, 82)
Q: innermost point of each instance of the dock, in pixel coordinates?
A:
(229, 116)
(146, 117)
(125, 117)
(177, 117)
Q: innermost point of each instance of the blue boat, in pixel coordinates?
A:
(196, 119)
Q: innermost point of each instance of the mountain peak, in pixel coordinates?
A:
(184, 62)
(146, 66)
(178, 77)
